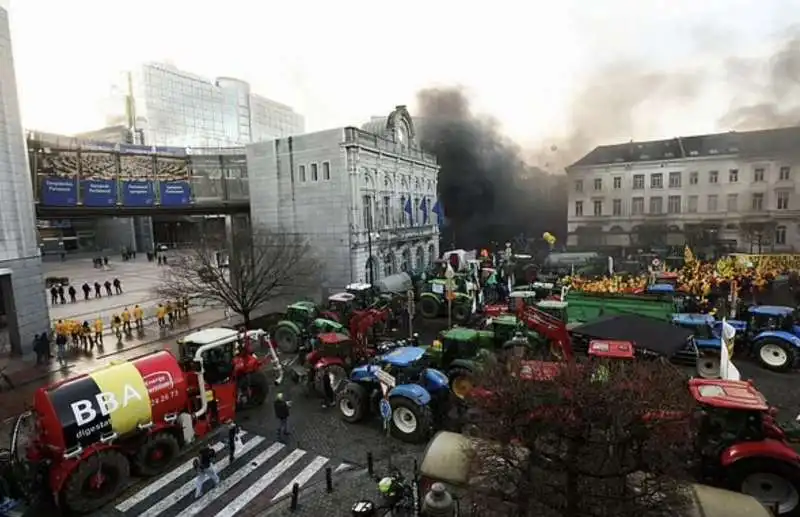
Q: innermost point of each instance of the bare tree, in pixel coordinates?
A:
(243, 273)
(576, 445)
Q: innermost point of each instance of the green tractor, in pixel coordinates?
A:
(302, 320)
(433, 300)
(460, 351)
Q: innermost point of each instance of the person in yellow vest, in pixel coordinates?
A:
(61, 328)
(161, 313)
(98, 331)
(138, 318)
(75, 330)
(116, 326)
(170, 314)
(126, 320)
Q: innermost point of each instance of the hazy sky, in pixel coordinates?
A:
(340, 62)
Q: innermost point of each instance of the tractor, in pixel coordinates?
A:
(706, 338)
(514, 297)
(415, 393)
(365, 295)
(771, 334)
(302, 320)
(433, 302)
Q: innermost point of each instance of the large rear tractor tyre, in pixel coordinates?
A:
(352, 402)
(772, 482)
(97, 481)
(462, 312)
(253, 389)
(429, 307)
(410, 423)
(775, 354)
(287, 339)
(461, 383)
(339, 376)
(708, 366)
(156, 454)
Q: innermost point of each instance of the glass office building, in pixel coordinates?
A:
(176, 108)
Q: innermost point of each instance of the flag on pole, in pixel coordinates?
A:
(409, 210)
(423, 206)
(437, 209)
(727, 370)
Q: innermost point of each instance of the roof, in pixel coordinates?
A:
(212, 335)
(770, 310)
(522, 294)
(728, 394)
(333, 338)
(612, 349)
(660, 288)
(505, 319)
(341, 297)
(650, 334)
(768, 142)
(692, 319)
(305, 305)
(358, 286)
(460, 334)
(552, 304)
(403, 355)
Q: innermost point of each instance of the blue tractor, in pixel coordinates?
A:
(707, 340)
(415, 393)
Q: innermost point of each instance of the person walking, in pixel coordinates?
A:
(37, 347)
(61, 347)
(117, 286)
(282, 414)
(98, 332)
(73, 294)
(161, 313)
(327, 390)
(98, 293)
(107, 285)
(54, 295)
(61, 297)
(126, 320)
(86, 290)
(138, 318)
(204, 465)
(87, 335)
(116, 327)
(234, 442)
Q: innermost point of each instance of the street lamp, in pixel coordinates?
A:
(370, 258)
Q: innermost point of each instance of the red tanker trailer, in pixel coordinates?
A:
(85, 434)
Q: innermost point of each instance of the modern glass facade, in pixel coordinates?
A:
(177, 108)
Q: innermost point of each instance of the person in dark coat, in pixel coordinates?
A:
(108, 288)
(87, 290)
(282, 414)
(204, 466)
(73, 294)
(37, 347)
(54, 295)
(117, 286)
(233, 432)
(98, 293)
(327, 391)
(61, 297)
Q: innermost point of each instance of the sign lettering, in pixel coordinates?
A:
(107, 402)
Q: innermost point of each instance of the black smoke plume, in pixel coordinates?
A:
(489, 194)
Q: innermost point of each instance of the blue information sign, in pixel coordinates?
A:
(386, 409)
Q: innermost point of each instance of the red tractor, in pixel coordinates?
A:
(84, 436)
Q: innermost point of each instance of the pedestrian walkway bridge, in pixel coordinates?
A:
(73, 177)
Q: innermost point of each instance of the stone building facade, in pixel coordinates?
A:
(364, 197)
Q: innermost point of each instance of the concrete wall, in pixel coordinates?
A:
(19, 250)
(284, 193)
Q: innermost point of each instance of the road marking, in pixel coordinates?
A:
(303, 477)
(162, 481)
(248, 495)
(342, 468)
(188, 487)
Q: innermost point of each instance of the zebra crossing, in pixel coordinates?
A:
(261, 473)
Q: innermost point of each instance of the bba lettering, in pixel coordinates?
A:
(106, 401)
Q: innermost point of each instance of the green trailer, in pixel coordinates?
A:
(585, 307)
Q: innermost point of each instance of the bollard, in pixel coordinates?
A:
(295, 494)
(329, 479)
(370, 465)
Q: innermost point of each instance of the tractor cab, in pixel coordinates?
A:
(217, 360)
(322, 326)
(772, 317)
(341, 305)
(334, 344)
(505, 327)
(544, 290)
(302, 313)
(455, 343)
(405, 363)
(524, 297)
(554, 308)
(364, 294)
(702, 325)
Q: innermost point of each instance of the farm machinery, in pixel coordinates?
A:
(415, 393)
(84, 436)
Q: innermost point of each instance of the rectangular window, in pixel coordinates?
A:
(314, 172)
(326, 170)
(387, 203)
(367, 202)
(579, 208)
(693, 176)
(657, 180)
(598, 184)
(758, 202)
(674, 180)
(301, 172)
(637, 206)
(733, 203)
(674, 204)
(691, 206)
(733, 176)
(617, 183)
(780, 235)
(403, 214)
(638, 182)
(656, 205)
(782, 199)
(598, 208)
(579, 186)
(713, 176)
(712, 203)
(758, 175)
(617, 207)
(785, 173)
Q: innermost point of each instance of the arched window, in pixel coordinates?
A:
(780, 235)
(388, 264)
(405, 265)
(372, 272)
(420, 262)
(431, 254)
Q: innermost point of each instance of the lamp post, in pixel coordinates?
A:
(370, 258)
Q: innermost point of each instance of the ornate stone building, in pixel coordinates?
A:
(365, 197)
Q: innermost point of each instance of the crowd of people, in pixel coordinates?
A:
(58, 295)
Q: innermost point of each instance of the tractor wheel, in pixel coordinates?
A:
(410, 422)
(339, 376)
(775, 354)
(287, 339)
(708, 366)
(97, 481)
(429, 307)
(156, 454)
(772, 482)
(253, 389)
(352, 402)
(462, 312)
(460, 382)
